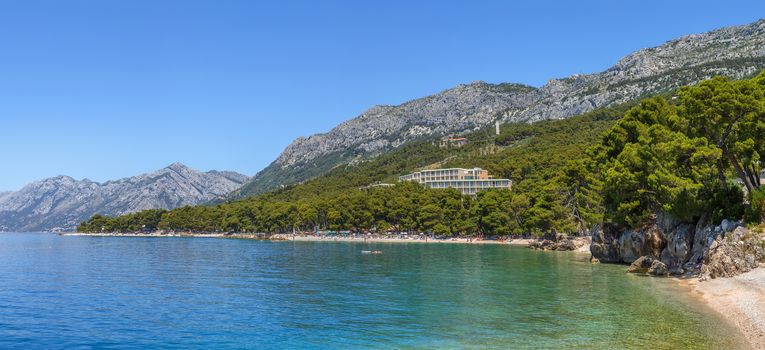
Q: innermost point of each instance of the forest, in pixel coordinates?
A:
(691, 152)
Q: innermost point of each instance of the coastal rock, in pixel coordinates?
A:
(700, 245)
(610, 243)
(641, 265)
(648, 265)
(669, 246)
(539, 244)
(634, 244)
(739, 234)
(658, 268)
(678, 247)
(559, 242)
(566, 245)
(603, 246)
(741, 252)
(727, 225)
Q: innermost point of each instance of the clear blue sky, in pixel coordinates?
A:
(108, 89)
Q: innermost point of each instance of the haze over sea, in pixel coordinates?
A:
(117, 292)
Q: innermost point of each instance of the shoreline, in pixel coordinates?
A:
(283, 237)
(287, 237)
(168, 235)
(397, 239)
(739, 300)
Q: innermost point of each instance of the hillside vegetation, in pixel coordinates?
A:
(667, 153)
(733, 52)
(533, 155)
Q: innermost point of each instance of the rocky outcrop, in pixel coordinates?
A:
(666, 237)
(734, 52)
(61, 203)
(604, 246)
(560, 243)
(669, 246)
(739, 252)
(611, 243)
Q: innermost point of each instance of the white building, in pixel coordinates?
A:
(468, 181)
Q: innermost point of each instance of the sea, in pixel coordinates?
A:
(82, 292)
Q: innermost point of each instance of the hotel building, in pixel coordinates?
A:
(467, 181)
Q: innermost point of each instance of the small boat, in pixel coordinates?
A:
(371, 252)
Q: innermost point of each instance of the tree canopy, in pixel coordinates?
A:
(688, 154)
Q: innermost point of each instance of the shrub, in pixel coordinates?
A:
(757, 208)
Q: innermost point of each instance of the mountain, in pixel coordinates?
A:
(61, 203)
(735, 52)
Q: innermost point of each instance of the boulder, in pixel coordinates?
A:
(648, 265)
(641, 265)
(658, 268)
(561, 243)
(542, 244)
(566, 245)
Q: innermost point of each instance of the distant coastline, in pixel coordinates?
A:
(315, 238)
(398, 239)
(173, 234)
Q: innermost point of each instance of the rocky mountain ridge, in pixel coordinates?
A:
(735, 52)
(61, 202)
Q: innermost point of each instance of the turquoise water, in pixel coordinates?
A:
(112, 292)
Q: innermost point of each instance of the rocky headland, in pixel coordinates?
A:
(724, 263)
(669, 246)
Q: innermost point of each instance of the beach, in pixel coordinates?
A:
(315, 238)
(396, 239)
(740, 300)
(175, 234)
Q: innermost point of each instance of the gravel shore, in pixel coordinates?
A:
(394, 239)
(741, 300)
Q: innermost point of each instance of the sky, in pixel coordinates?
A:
(107, 89)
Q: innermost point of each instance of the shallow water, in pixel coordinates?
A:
(123, 292)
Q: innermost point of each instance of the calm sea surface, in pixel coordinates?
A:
(90, 292)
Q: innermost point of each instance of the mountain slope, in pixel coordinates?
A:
(734, 52)
(535, 156)
(62, 202)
